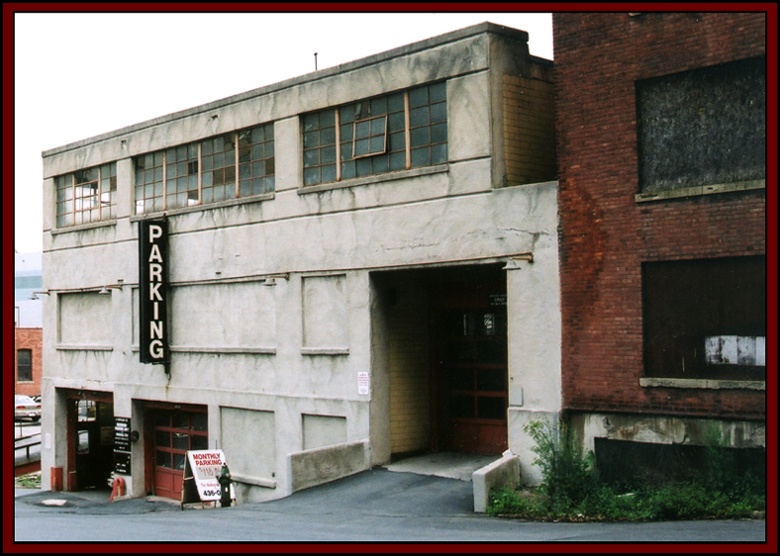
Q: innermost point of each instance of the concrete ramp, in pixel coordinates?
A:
(450, 465)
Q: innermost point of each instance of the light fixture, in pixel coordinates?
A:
(34, 295)
(271, 280)
(513, 261)
(105, 290)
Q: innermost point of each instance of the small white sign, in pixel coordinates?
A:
(363, 384)
(735, 350)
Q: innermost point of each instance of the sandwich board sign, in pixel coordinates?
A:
(201, 473)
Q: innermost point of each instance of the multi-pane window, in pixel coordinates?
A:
(428, 125)
(256, 161)
(87, 195)
(370, 137)
(24, 365)
(219, 168)
(181, 176)
(403, 130)
(175, 433)
(205, 172)
(149, 182)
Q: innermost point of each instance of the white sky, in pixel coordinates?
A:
(77, 75)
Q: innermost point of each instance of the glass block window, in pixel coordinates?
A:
(208, 171)
(403, 130)
(87, 195)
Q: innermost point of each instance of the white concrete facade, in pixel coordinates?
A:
(280, 304)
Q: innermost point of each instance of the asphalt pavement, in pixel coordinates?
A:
(373, 506)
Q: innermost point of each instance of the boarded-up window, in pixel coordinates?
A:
(323, 430)
(695, 310)
(703, 127)
(325, 317)
(85, 319)
(239, 315)
(249, 442)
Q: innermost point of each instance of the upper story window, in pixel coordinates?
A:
(229, 166)
(703, 127)
(87, 195)
(403, 130)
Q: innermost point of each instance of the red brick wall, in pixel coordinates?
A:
(30, 338)
(605, 234)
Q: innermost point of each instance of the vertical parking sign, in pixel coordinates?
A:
(153, 287)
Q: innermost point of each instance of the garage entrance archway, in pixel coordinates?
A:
(444, 334)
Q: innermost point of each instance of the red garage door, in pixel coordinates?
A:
(175, 430)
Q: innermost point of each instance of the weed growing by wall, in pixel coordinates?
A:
(571, 488)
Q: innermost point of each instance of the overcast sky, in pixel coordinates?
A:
(77, 75)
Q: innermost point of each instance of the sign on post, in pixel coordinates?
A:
(201, 471)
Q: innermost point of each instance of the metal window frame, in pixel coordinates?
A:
(97, 195)
(234, 138)
(370, 136)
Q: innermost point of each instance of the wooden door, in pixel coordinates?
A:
(470, 375)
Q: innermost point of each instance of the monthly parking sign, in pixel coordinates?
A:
(201, 473)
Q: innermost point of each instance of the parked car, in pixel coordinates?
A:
(26, 408)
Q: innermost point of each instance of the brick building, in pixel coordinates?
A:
(661, 122)
(27, 324)
(28, 361)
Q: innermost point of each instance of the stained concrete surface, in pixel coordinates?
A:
(449, 465)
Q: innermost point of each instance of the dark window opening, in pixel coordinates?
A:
(696, 311)
(24, 365)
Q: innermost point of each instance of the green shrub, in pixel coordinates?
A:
(571, 489)
(724, 476)
(568, 472)
(679, 502)
(605, 504)
(505, 501)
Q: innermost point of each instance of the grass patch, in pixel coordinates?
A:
(31, 480)
(572, 491)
